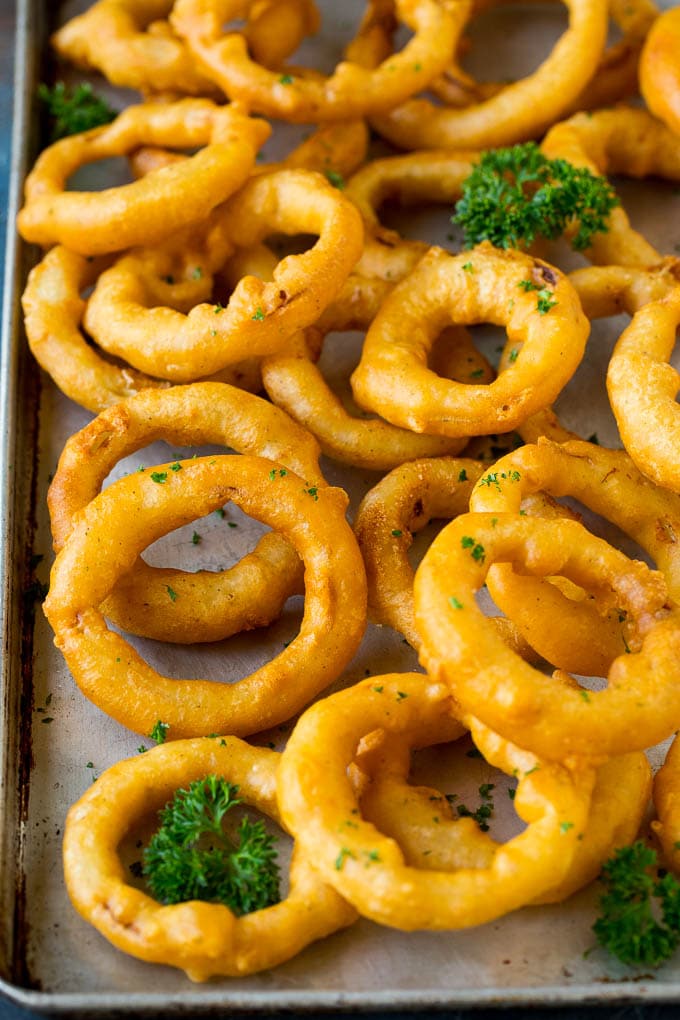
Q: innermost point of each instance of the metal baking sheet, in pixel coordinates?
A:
(54, 740)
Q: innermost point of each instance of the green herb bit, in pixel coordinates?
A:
(477, 373)
(220, 512)
(286, 79)
(192, 857)
(340, 859)
(258, 316)
(277, 473)
(232, 524)
(141, 749)
(401, 695)
(159, 477)
(218, 308)
(197, 273)
(468, 267)
(171, 592)
(454, 603)
(528, 285)
(462, 475)
(159, 731)
(378, 688)
(396, 532)
(476, 549)
(176, 466)
(545, 301)
(627, 926)
(74, 111)
(196, 538)
(516, 194)
(313, 492)
(335, 178)
(512, 357)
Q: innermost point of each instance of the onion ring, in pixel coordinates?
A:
(259, 317)
(116, 678)
(149, 210)
(307, 97)
(609, 484)
(481, 285)
(459, 644)
(209, 606)
(522, 110)
(202, 939)
(367, 867)
(445, 841)
(642, 387)
(626, 141)
(53, 309)
(660, 69)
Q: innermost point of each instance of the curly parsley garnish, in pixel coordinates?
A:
(73, 111)
(192, 857)
(516, 194)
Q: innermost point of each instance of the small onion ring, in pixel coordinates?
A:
(480, 285)
(259, 317)
(660, 69)
(209, 606)
(133, 512)
(368, 867)
(621, 141)
(202, 939)
(609, 484)
(642, 387)
(307, 97)
(641, 704)
(149, 210)
(523, 109)
(53, 310)
(430, 176)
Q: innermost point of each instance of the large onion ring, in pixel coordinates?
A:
(641, 704)
(148, 210)
(481, 285)
(444, 841)
(202, 939)
(209, 606)
(522, 110)
(642, 387)
(367, 867)
(259, 317)
(352, 90)
(133, 512)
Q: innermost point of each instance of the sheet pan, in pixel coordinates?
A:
(52, 961)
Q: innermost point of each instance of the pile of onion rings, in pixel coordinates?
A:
(166, 306)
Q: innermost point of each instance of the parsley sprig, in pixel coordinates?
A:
(192, 857)
(627, 926)
(513, 195)
(74, 111)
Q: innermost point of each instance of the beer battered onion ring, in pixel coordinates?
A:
(481, 285)
(666, 795)
(395, 509)
(523, 109)
(367, 867)
(294, 383)
(209, 606)
(149, 210)
(259, 317)
(460, 647)
(303, 96)
(417, 177)
(621, 141)
(53, 310)
(202, 939)
(133, 512)
(642, 388)
(609, 484)
(444, 841)
(660, 69)
(616, 75)
(132, 43)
